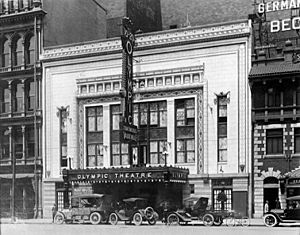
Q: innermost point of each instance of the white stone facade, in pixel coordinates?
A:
(208, 61)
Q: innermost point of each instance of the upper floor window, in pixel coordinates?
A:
(4, 53)
(94, 136)
(4, 145)
(273, 97)
(29, 51)
(297, 140)
(119, 150)
(222, 128)
(30, 142)
(17, 52)
(18, 97)
(30, 94)
(185, 130)
(274, 141)
(63, 136)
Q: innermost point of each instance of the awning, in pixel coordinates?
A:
(127, 175)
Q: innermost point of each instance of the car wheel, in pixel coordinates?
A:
(230, 221)
(59, 218)
(245, 221)
(218, 221)
(95, 218)
(270, 220)
(152, 221)
(137, 219)
(173, 219)
(149, 212)
(113, 218)
(208, 220)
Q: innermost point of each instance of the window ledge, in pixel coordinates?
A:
(185, 164)
(274, 156)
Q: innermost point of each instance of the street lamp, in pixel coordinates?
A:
(165, 154)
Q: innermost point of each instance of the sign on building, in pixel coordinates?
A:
(128, 130)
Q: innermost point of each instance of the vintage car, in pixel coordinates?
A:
(289, 215)
(170, 213)
(93, 208)
(135, 210)
(199, 210)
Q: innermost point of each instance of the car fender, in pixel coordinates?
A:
(275, 214)
(61, 213)
(182, 217)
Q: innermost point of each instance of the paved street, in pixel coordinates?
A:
(52, 229)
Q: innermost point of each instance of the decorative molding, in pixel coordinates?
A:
(157, 39)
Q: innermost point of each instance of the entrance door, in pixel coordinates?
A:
(271, 190)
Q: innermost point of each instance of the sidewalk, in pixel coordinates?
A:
(253, 222)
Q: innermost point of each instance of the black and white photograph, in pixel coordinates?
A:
(149, 117)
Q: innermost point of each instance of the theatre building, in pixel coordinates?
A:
(191, 108)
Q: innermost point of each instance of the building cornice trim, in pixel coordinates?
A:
(160, 39)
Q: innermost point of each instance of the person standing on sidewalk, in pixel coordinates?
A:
(266, 207)
(54, 210)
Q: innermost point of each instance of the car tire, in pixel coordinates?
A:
(59, 218)
(137, 219)
(173, 219)
(270, 220)
(245, 221)
(113, 219)
(230, 221)
(95, 218)
(149, 212)
(152, 221)
(208, 220)
(218, 221)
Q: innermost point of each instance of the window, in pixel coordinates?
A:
(94, 136)
(18, 104)
(274, 141)
(151, 118)
(18, 138)
(119, 151)
(222, 128)
(17, 52)
(297, 140)
(30, 87)
(10, 5)
(220, 201)
(185, 130)
(29, 51)
(157, 149)
(4, 54)
(273, 97)
(30, 142)
(63, 138)
(4, 154)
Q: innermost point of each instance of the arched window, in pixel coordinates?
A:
(29, 50)
(17, 52)
(4, 54)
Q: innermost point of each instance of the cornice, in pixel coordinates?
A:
(151, 40)
(21, 16)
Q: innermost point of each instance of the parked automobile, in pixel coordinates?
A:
(290, 215)
(199, 210)
(170, 213)
(93, 208)
(134, 210)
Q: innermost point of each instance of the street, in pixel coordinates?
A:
(52, 229)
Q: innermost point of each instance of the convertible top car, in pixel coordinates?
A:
(289, 215)
(134, 210)
(94, 208)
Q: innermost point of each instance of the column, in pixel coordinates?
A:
(24, 144)
(23, 53)
(106, 135)
(24, 97)
(10, 98)
(171, 131)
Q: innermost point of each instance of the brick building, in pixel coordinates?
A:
(25, 27)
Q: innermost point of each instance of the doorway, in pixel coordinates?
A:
(271, 190)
